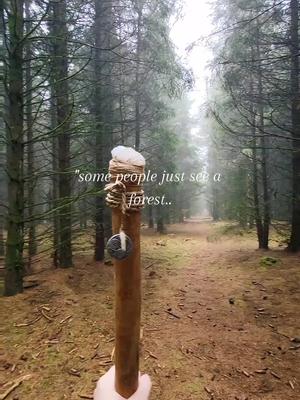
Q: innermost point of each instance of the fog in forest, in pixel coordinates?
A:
(149, 199)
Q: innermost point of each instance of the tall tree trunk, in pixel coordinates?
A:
(54, 195)
(15, 152)
(294, 244)
(2, 138)
(2, 243)
(255, 177)
(54, 146)
(2, 194)
(255, 159)
(215, 203)
(60, 65)
(264, 242)
(103, 115)
(214, 190)
(99, 160)
(138, 81)
(242, 207)
(150, 217)
(160, 226)
(32, 248)
(122, 125)
(255, 183)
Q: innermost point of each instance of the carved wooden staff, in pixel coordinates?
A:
(125, 196)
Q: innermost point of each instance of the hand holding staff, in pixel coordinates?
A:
(105, 389)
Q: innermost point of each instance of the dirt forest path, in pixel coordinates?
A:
(217, 324)
(229, 323)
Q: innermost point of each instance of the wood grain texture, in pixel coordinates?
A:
(127, 306)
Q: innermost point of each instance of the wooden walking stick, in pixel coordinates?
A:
(126, 199)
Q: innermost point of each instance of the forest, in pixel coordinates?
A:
(205, 96)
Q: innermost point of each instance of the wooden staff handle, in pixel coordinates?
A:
(127, 306)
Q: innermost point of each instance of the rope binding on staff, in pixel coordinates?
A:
(124, 192)
(125, 175)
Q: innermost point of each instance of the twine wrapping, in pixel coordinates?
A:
(124, 175)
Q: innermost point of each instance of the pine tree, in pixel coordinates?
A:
(15, 150)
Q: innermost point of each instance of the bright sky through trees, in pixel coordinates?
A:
(195, 24)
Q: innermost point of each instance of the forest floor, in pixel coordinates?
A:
(218, 322)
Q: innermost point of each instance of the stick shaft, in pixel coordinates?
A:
(127, 306)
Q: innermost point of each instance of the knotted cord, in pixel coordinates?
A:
(117, 194)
